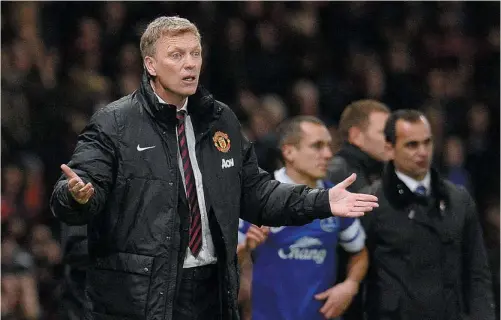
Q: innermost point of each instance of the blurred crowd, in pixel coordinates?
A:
(61, 61)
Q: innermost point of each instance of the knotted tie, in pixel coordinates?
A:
(195, 243)
(420, 190)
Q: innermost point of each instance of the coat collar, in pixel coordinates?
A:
(399, 195)
(281, 175)
(360, 159)
(202, 104)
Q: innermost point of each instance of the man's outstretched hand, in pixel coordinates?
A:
(80, 191)
(346, 204)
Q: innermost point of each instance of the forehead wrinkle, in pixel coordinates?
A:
(177, 39)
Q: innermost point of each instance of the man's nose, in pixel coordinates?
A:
(190, 62)
(327, 152)
(423, 150)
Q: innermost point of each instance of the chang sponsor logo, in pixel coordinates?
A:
(302, 250)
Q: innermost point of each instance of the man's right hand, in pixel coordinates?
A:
(80, 191)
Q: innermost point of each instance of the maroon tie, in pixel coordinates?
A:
(191, 191)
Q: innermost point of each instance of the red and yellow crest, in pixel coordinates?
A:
(221, 141)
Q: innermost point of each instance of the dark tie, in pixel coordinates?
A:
(421, 191)
(191, 191)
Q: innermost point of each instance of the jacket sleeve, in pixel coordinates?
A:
(268, 202)
(94, 160)
(74, 245)
(477, 277)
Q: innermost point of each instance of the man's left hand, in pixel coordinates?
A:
(255, 236)
(346, 204)
(338, 298)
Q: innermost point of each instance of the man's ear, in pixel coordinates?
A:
(355, 136)
(390, 151)
(287, 152)
(149, 64)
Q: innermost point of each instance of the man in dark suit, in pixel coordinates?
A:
(428, 259)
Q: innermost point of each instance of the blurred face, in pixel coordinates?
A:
(478, 118)
(454, 154)
(13, 180)
(17, 228)
(412, 152)
(311, 156)
(372, 139)
(176, 66)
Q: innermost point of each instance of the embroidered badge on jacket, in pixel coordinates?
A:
(221, 141)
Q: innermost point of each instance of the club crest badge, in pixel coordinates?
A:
(221, 141)
(329, 224)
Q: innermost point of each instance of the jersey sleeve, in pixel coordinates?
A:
(351, 235)
(243, 226)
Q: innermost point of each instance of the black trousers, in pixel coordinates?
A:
(199, 296)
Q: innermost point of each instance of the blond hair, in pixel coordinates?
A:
(161, 26)
(357, 114)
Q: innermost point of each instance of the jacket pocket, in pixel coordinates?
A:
(118, 285)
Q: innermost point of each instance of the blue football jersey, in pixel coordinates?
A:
(296, 263)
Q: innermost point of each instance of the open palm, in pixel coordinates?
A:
(344, 203)
(80, 191)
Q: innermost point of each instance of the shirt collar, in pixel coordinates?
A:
(412, 184)
(185, 106)
(281, 175)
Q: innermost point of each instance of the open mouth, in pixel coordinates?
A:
(189, 79)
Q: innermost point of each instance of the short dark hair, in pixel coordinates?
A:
(289, 131)
(409, 115)
(357, 114)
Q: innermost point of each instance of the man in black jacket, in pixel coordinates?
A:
(363, 149)
(361, 128)
(161, 177)
(428, 260)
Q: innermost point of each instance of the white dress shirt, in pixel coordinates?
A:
(207, 253)
(412, 183)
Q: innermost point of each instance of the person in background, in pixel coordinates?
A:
(428, 259)
(294, 270)
(363, 148)
(246, 243)
(362, 151)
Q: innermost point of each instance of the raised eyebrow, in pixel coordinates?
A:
(322, 142)
(417, 142)
(176, 48)
(407, 143)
